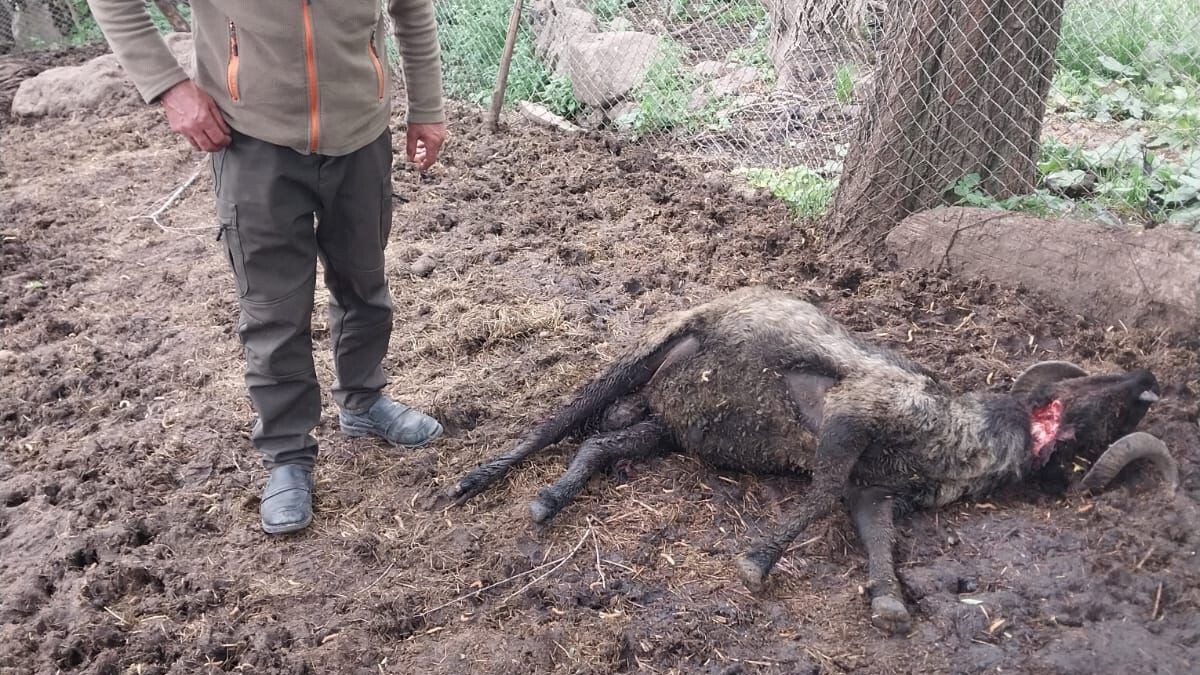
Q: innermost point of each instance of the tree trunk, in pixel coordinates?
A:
(171, 13)
(807, 35)
(960, 90)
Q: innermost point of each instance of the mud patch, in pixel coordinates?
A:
(129, 539)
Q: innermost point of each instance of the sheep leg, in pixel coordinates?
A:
(621, 378)
(841, 443)
(873, 511)
(644, 439)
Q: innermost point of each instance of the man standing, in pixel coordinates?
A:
(292, 98)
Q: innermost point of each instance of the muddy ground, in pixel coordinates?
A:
(129, 539)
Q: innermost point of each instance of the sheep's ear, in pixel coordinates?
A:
(1045, 372)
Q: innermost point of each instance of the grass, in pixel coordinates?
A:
(806, 192)
(1131, 32)
(663, 96)
(606, 10)
(735, 12)
(1131, 65)
(87, 31)
(754, 54)
(472, 39)
(843, 83)
(1124, 180)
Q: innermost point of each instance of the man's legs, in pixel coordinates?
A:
(266, 196)
(354, 223)
(356, 198)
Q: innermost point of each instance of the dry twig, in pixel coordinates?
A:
(553, 565)
(170, 200)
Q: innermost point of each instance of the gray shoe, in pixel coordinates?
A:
(287, 499)
(394, 422)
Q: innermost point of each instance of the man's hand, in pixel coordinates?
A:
(425, 142)
(194, 115)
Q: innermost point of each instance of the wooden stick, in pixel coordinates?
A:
(171, 13)
(563, 561)
(510, 40)
(153, 215)
(553, 565)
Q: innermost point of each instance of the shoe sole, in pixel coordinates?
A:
(288, 528)
(359, 432)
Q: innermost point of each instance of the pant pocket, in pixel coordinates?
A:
(227, 219)
(385, 217)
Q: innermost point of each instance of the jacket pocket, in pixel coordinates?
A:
(378, 66)
(228, 222)
(231, 72)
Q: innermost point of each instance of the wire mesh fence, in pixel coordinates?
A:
(1109, 90)
(33, 25)
(1042, 105)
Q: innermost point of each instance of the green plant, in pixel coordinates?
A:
(966, 191)
(755, 55)
(84, 30)
(843, 83)
(662, 97)
(606, 10)
(1121, 179)
(734, 12)
(806, 192)
(1097, 35)
(160, 21)
(472, 39)
(559, 96)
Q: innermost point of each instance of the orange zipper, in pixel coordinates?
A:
(378, 65)
(231, 74)
(311, 58)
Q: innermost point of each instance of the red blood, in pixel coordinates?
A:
(1043, 426)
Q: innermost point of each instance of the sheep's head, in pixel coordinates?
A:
(1076, 416)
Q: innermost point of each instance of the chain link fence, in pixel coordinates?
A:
(788, 91)
(779, 88)
(36, 25)
(41, 24)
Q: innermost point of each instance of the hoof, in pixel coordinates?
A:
(752, 574)
(466, 488)
(889, 614)
(543, 508)
(479, 479)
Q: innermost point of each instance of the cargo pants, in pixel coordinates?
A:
(278, 211)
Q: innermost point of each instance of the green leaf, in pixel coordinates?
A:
(966, 185)
(1112, 65)
(1118, 154)
(1066, 180)
(1189, 217)
(1181, 195)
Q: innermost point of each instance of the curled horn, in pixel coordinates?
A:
(1127, 449)
(1044, 372)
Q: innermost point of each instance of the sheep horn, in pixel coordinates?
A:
(1044, 372)
(1135, 446)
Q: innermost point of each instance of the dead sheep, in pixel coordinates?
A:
(760, 381)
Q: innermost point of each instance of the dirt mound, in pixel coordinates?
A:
(98, 83)
(12, 73)
(1113, 274)
(15, 69)
(129, 537)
